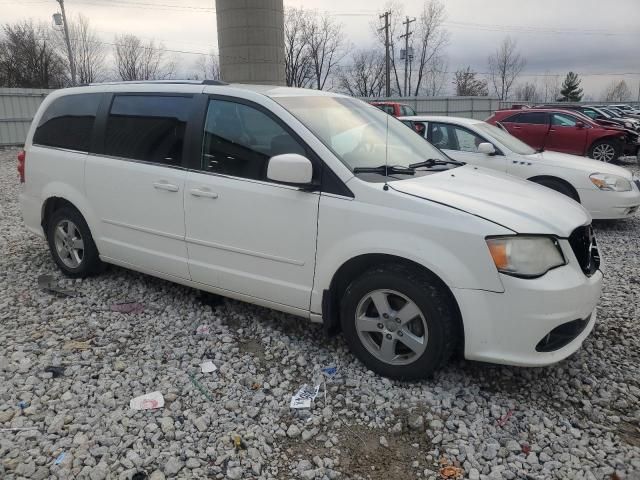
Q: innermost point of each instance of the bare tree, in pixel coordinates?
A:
(298, 62)
(527, 92)
(434, 78)
(207, 67)
(364, 76)
(617, 91)
(550, 88)
(87, 49)
(432, 39)
(28, 59)
(326, 43)
(138, 61)
(505, 67)
(467, 85)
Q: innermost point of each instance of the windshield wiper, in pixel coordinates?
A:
(386, 170)
(432, 162)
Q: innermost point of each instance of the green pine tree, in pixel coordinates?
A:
(571, 91)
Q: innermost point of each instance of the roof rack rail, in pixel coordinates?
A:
(160, 82)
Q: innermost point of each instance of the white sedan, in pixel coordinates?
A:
(606, 191)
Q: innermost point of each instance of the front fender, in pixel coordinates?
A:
(448, 242)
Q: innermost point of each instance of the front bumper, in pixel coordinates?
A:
(604, 205)
(507, 327)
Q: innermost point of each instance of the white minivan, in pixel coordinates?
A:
(318, 205)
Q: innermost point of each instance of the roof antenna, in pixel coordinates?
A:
(386, 157)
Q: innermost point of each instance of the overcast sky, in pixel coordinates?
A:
(595, 38)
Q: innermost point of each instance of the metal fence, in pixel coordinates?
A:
(471, 107)
(19, 105)
(17, 108)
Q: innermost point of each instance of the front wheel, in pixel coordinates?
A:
(605, 151)
(399, 322)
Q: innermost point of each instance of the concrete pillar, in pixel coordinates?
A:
(251, 41)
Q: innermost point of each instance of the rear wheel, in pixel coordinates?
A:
(71, 244)
(399, 322)
(605, 151)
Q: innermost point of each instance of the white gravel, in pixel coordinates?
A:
(579, 419)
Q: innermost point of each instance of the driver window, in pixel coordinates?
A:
(239, 140)
(562, 120)
(439, 136)
(467, 141)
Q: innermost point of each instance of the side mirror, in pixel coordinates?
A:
(487, 148)
(290, 168)
(579, 124)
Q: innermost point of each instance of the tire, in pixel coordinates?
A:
(429, 328)
(71, 244)
(605, 151)
(559, 187)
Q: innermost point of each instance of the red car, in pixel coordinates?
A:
(394, 108)
(564, 131)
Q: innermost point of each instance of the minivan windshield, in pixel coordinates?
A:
(505, 138)
(360, 135)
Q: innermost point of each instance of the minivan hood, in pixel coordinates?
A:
(519, 205)
(575, 162)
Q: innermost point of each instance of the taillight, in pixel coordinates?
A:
(22, 156)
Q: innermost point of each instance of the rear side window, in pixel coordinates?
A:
(68, 122)
(533, 118)
(147, 127)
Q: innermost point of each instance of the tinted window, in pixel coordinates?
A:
(147, 127)
(68, 122)
(563, 120)
(535, 118)
(239, 140)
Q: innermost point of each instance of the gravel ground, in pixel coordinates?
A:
(579, 419)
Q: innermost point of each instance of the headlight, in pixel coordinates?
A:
(612, 183)
(525, 256)
(628, 125)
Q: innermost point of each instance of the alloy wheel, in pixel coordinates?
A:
(69, 243)
(391, 327)
(604, 152)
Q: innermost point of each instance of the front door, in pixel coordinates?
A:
(566, 135)
(245, 233)
(462, 144)
(136, 184)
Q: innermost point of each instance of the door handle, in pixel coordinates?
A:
(162, 185)
(196, 192)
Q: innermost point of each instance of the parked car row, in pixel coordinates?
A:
(320, 205)
(606, 190)
(568, 131)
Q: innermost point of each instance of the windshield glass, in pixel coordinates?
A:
(357, 133)
(508, 140)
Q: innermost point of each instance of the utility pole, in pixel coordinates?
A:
(72, 63)
(406, 50)
(385, 15)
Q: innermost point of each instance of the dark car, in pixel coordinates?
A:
(568, 132)
(599, 115)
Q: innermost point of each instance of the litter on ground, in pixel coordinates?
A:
(208, 366)
(148, 401)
